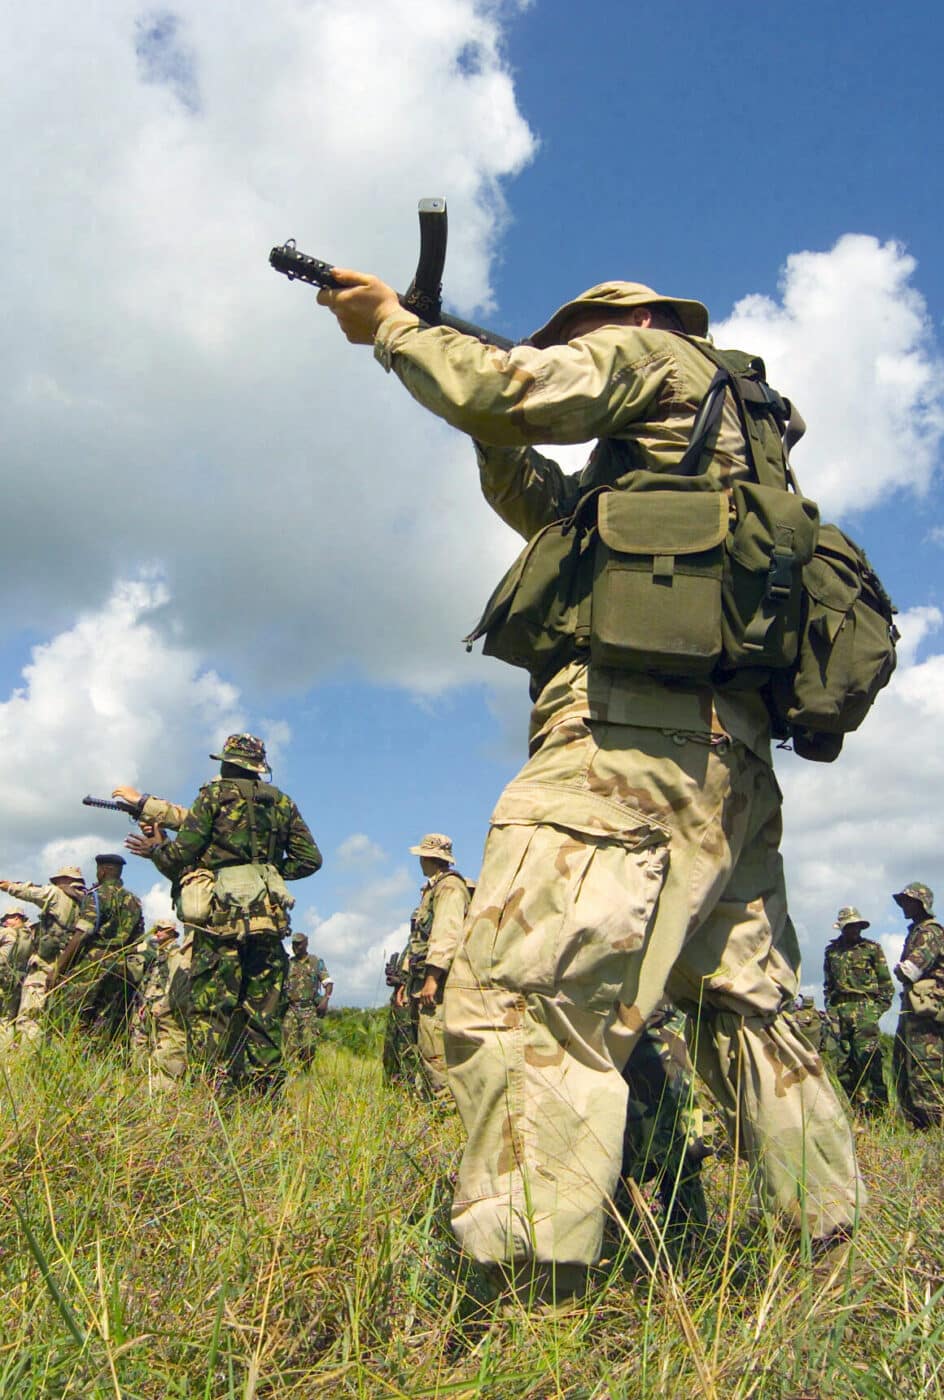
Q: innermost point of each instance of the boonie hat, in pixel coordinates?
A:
(850, 915)
(68, 872)
(300, 938)
(13, 914)
(916, 891)
(164, 932)
(435, 846)
(246, 751)
(624, 295)
(110, 859)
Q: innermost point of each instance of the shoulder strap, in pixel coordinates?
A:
(744, 376)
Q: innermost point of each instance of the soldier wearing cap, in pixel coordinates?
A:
(240, 841)
(810, 1021)
(435, 929)
(858, 990)
(93, 970)
(16, 939)
(58, 903)
(918, 1056)
(308, 989)
(637, 852)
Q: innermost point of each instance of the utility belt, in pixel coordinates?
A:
(234, 901)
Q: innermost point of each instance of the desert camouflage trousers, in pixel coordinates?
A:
(624, 864)
(430, 1042)
(918, 1060)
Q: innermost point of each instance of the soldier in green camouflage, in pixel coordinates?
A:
(858, 989)
(16, 941)
(238, 844)
(810, 1022)
(435, 928)
(663, 1138)
(919, 1038)
(93, 968)
(308, 987)
(158, 1035)
(58, 903)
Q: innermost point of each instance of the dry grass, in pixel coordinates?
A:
(168, 1246)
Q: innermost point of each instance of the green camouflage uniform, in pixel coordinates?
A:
(240, 839)
(858, 989)
(400, 1055)
(16, 943)
(663, 1138)
(809, 1021)
(101, 981)
(435, 929)
(635, 855)
(159, 1036)
(58, 909)
(919, 1037)
(304, 988)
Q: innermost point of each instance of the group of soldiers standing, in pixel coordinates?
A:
(221, 999)
(858, 990)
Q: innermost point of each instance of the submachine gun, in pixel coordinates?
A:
(133, 809)
(424, 294)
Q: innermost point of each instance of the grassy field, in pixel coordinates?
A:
(166, 1245)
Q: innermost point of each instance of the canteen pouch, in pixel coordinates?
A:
(254, 897)
(658, 565)
(846, 653)
(773, 535)
(195, 900)
(926, 998)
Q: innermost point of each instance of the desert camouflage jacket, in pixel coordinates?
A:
(57, 915)
(635, 389)
(15, 947)
(110, 917)
(855, 972)
(241, 821)
(437, 920)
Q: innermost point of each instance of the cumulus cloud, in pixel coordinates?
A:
(850, 341)
(112, 698)
(859, 829)
(356, 940)
(300, 503)
(359, 849)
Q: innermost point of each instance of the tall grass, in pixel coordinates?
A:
(167, 1244)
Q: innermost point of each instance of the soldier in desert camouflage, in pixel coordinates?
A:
(58, 903)
(158, 1034)
(16, 941)
(858, 989)
(435, 929)
(919, 1038)
(240, 840)
(636, 854)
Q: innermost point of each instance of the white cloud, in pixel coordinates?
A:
(356, 941)
(307, 513)
(111, 699)
(857, 830)
(850, 341)
(359, 849)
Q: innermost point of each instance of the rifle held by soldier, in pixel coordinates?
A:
(424, 294)
(133, 809)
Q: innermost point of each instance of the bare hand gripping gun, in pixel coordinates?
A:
(424, 294)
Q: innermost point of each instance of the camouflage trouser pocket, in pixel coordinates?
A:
(926, 998)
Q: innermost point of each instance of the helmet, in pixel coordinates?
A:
(246, 751)
(622, 295)
(434, 846)
(850, 916)
(921, 893)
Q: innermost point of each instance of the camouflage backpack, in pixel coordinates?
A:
(672, 575)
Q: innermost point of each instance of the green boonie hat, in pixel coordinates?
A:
(850, 915)
(246, 751)
(916, 891)
(435, 846)
(68, 872)
(163, 932)
(299, 937)
(692, 314)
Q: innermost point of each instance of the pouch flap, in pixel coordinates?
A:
(832, 581)
(663, 522)
(769, 519)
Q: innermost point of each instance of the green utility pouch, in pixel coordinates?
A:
(773, 535)
(253, 896)
(658, 565)
(847, 650)
(926, 998)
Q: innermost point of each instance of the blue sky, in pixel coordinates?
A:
(303, 547)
